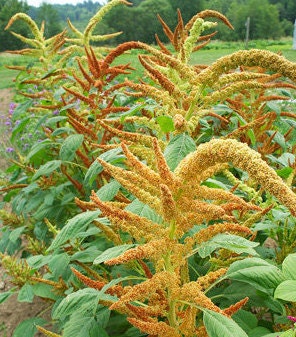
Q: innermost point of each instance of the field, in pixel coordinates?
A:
(206, 56)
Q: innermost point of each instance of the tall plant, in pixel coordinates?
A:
(186, 172)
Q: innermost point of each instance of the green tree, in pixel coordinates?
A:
(264, 21)
(7, 9)
(140, 22)
(188, 8)
(50, 16)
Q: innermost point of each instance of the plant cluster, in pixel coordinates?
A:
(146, 206)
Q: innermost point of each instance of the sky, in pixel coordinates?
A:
(37, 3)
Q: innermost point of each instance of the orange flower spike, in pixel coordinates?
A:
(144, 312)
(162, 46)
(208, 13)
(169, 209)
(88, 281)
(235, 307)
(139, 226)
(164, 171)
(135, 164)
(134, 182)
(207, 233)
(206, 281)
(160, 78)
(166, 29)
(139, 186)
(187, 327)
(89, 79)
(129, 136)
(114, 290)
(160, 329)
(153, 250)
(192, 292)
(140, 292)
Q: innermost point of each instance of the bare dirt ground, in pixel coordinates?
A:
(11, 311)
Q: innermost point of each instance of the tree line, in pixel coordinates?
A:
(269, 19)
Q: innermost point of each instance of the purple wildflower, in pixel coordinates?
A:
(9, 149)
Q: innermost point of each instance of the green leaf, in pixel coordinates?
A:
(47, 168)
(289, 266)
(19, 128)
(84, 300)
(38, 261)
(231, 242)
(245, 319)
(108, 191)
(16, 233)
(28, 327)
(86, 255)
(260, 331)
(257, 272)
(218, 325)
(284, 172)
(166, 123)
(139, 208)
(73, 227)
(6, 295)
(92, 173)
(22, 108)
(178, 148)
(79, 326)
(58, 265)
(286, 291)
(38, 147)
(69, 147)
(26, 294)
(112, 252)
(44, 291)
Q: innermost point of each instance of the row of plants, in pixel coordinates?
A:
(156, 206)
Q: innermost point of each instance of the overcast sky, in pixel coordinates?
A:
(37, 3)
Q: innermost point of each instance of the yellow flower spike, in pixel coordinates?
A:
(31, 23)
(87, 34)
(253, 57)
(224, 93)
(224, 151)
(109, 233)
(47, 332)
(154, 328)
(197, 28)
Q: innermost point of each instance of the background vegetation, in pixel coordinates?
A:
(139, 22)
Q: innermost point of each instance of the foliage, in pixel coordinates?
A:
(152, 197)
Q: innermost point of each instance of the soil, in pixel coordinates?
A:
(13, 312)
